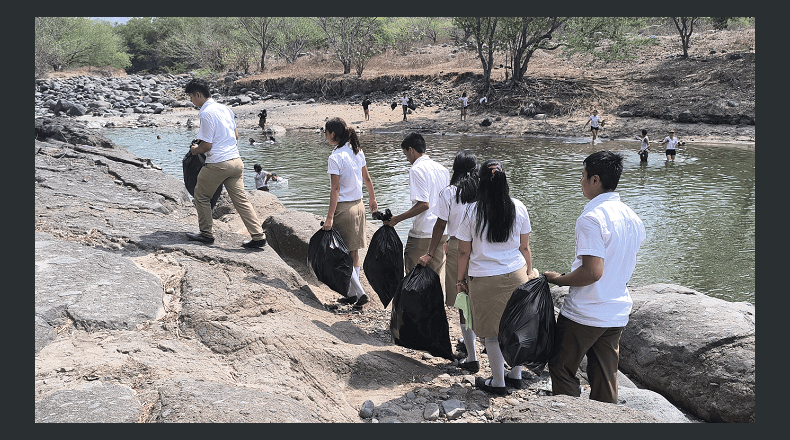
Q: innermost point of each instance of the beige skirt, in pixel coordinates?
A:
(349, 221)
(489, 296)
(451, 272)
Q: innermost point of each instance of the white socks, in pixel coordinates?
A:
(355, 287)
(469, 342)
(496, 361)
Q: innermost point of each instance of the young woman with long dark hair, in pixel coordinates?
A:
(347, 170)
(494, 248)
(453, 200)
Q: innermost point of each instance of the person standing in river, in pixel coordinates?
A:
(644, 147)
(347, 171)
(218, 138)
(597, 306)
(595, 123)
(672, 142)
(262, 119)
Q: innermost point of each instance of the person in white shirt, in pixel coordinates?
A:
(644, 147)
(347, 171)
(596, 309)
(261, 178)
(464, 104)
(451, 208)
(426, 179)
(595, 123)
(218, 141)
(672, 143)
(494, 247)
(404, 102)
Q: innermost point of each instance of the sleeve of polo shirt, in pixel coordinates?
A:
(333, 166)
(526, 227)
(207, 128)
(589, 237)
(418, 187)
(465, 230)
(443, 204)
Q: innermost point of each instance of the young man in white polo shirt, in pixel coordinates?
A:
(218, 141)
(426, 178)
(596, 309)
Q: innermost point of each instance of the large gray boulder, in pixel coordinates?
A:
(696, 350)
(289, 232)
(95, 403)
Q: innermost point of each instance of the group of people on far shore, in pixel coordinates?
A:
(467, 228)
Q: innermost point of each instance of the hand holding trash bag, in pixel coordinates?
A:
(526, 329)
(383, 263)
(191, 165)
(330, 261)
(418, 320)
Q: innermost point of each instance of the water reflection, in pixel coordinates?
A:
(699, 212)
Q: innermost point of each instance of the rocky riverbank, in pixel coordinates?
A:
(134, 323)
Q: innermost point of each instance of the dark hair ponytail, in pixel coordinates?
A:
(496, 212)
(465, 176)
(343, 133)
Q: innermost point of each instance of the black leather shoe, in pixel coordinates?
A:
(254, 243)
(199, 237)
(473, 366)
(514, 383)
(480, 383)
(347, 300)
(361, 301)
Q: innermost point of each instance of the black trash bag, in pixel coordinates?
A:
(411, 104)
(330, 261)
(418, 320)
(191, 165)
(393, 105)
(526, 329)
(383, 263)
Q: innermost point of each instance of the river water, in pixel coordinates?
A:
(699, 212)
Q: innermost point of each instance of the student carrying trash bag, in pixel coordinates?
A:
(383, 264)
(330, 261)
(418, 320)
(191, 165)
(526, 329)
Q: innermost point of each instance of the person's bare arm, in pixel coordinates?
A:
(436, 235)
(334, 194)
(374, 206)
(417, 209)
(589, 272)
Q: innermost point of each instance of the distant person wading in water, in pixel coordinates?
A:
(595, 123)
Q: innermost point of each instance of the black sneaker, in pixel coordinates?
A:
(200, 237)
(254, 243)
(347, 300)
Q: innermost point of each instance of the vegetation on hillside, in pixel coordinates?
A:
(257, 44)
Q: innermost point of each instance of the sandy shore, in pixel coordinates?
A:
(295, 115)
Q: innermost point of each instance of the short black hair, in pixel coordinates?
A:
(607, 165)
(415, 141)
(198, 85)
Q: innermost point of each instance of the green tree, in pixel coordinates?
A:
(484, 31)
(294, 36)
(65, 42)
(605, 38)
(522, 36)
(261, 31)
(432, 28)
(354, 40)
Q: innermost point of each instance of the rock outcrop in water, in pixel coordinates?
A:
(135, 323)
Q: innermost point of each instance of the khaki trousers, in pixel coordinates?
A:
(231, 174)
(416, 248)
(602, 347)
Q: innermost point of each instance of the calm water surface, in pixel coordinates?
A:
(699, 212)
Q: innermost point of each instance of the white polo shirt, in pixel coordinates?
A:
(595, 121)
(672, 143)
(344, 163)
(449, 210)
(489, 259)
(218, 127)
(609, 229)
(426, 179)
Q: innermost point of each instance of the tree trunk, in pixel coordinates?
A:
(346, 67)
